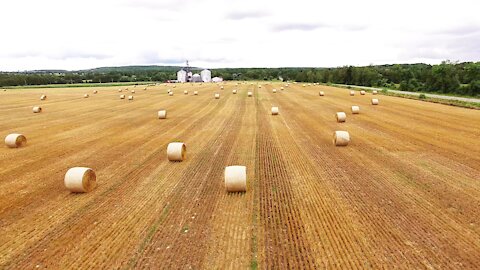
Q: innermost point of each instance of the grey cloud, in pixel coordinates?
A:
(59, 54)
(297, 26)
(460, 31)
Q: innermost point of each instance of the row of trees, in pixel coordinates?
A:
(447, 77)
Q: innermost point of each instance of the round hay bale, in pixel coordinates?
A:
(145, 88)
(185, 92)
(86, 95)
(355, 109)
(170, 93)
(341, 117)
(234, 91)
(176, 151)
(37, 109)
(80, 179)
(162, 114)
(374, 92)
(236, 178)
(195, 93)
(130, 97)
(250, 94)
(95, 91)
(260, 86)
(304, 85)
(352, 93)
(221, 87)
(274, 110)
(122, 96)
(321, 93)
(374, 101)
(133, 91)
(274, 90)
(281, 88)
(119, 90)
(341, 138)
(43, 97)
(362, 92)
(217, 95)
(15, 140)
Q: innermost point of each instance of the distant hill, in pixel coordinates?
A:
(132, 69)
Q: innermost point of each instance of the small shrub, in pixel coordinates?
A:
(422, 96)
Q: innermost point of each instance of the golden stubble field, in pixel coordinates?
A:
(405, 193)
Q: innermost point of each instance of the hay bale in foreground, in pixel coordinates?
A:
(162, 114)
(341, 138)
(176, 151)
(341, 117)
(236, 178)
(355, 109)
(37, 109)
(274, 110)
(80, 179)
(374, 101)
(15, 140)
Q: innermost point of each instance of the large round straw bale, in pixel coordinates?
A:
(162, 114)
(341, 117)
(352, 93)
(86, 95)
(185, 92)
(37, 109)
(260, 86)
(195, 93)
(80, 179)
(362, 92)
(341, 138)
(217, 95)
(133, 91)
(95, 91)
(176, 151)
(119, 90)
(145, 88)
(236, 178)
(274, 110)
(15, 140)
(234, 91)
(170, 93)
(221, 87)
(130, 97)
(122, 96)
(281, 88)
(304, 85)
(374, 101)
(274, 90)
(250, 94)
(355, 109)
(321, 93)
(43, 97)
(374, 92)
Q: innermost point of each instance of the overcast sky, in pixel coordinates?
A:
(80, 34)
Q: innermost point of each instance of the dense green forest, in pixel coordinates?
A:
(447, 77)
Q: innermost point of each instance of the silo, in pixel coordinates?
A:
(206, 75)
(196, 78)
(182, 76)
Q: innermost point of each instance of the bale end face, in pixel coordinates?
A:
(15, 140)
(176, 151)
(162, 114)
(341, 117)
(80, 179)
(355, 109)
(274, 110)
(374, 101)
(236, 179)
(341, 138)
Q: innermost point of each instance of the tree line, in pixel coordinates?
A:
(447, 77)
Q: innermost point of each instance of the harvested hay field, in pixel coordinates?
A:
(404, 193)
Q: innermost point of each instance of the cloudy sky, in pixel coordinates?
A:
(80, 34)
